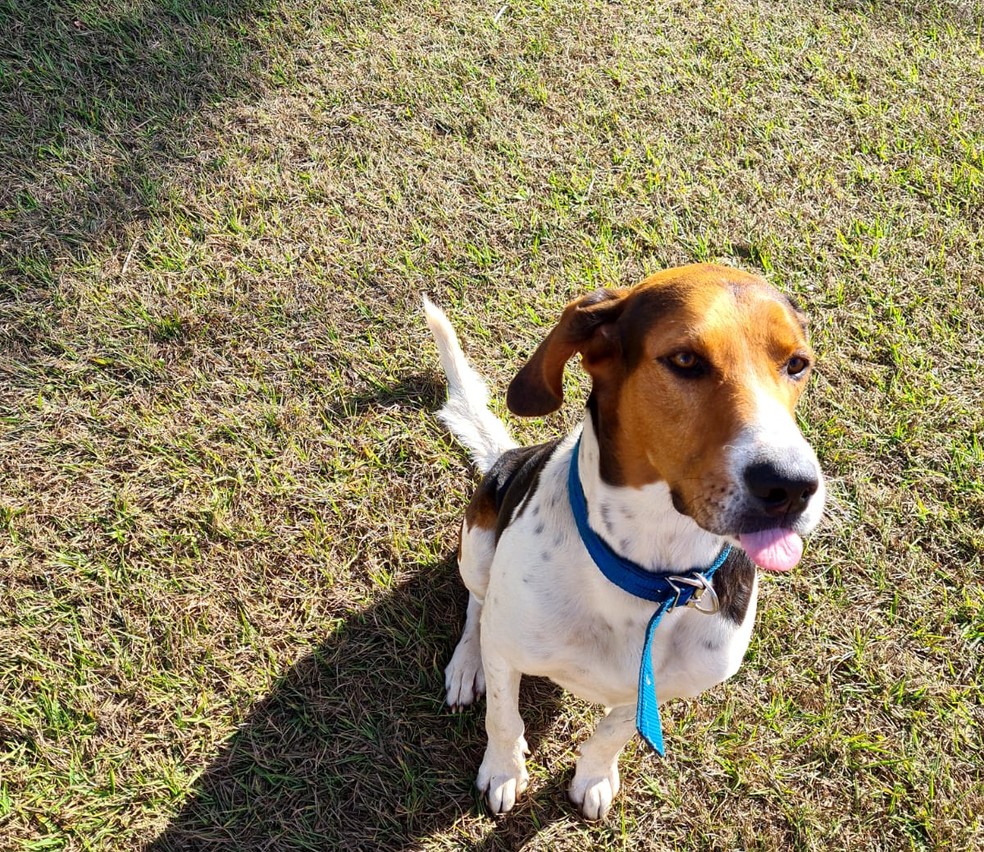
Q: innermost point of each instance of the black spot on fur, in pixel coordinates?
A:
(513, 481)
(678, 503)
(538, 530)
(605, 427)
(733, 584)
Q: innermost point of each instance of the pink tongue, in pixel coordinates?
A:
(773, 550)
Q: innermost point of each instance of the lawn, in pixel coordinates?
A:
(228, 515)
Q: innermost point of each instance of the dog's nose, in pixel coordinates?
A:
(781, 488)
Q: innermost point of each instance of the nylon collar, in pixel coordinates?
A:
(656, 586)
(667, 590)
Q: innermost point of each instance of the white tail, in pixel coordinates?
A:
(466, 413)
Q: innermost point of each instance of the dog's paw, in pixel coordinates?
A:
(502, 781)
(464, 678)
(594, 794)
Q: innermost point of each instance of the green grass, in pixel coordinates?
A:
(228, 515)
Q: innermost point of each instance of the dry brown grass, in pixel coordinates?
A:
(228, 513)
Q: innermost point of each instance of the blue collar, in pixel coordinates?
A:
(663, 588)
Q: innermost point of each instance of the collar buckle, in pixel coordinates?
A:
(703, 588)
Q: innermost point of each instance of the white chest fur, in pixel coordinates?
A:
(553, 613)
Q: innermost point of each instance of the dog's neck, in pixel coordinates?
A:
(641, 524)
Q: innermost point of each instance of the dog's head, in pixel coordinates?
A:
(695, 375)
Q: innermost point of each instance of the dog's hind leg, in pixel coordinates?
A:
(464, 677)
(595, 781)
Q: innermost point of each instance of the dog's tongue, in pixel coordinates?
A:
(773, 550)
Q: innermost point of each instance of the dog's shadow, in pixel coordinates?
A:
(354, 749)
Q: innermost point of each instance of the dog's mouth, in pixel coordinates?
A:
(772, 543)
(776, 549)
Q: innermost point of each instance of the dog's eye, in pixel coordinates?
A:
(685, 364)
(796, 366)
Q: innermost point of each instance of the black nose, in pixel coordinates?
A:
(781, 488)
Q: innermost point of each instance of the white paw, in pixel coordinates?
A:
(594, 794)
(502, 781)
(464, 678)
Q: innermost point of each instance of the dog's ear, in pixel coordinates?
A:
(586, 326)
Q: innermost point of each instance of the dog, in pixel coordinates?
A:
(688, 456)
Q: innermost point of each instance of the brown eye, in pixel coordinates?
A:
(684, 360)
(685, 364)
(796, 365)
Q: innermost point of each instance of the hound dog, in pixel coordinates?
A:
(688, 456)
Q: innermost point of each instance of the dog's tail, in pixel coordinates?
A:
(466, 413)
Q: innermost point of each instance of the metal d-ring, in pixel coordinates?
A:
(703, 587)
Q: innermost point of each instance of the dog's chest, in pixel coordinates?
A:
(564, 620)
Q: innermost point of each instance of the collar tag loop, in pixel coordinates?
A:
(703, 589)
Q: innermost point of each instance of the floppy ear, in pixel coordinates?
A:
(585, 327)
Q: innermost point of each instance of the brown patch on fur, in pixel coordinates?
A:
(516, 477)
(481, 511)
(507, 488)
(538, 387)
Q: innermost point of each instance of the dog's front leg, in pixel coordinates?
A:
(502, 776)
(595, 781)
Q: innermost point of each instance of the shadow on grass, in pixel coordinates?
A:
(427, 390)
(354, 748)
(955, 13)
(96, 101)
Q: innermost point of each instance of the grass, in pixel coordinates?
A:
(228, 515)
